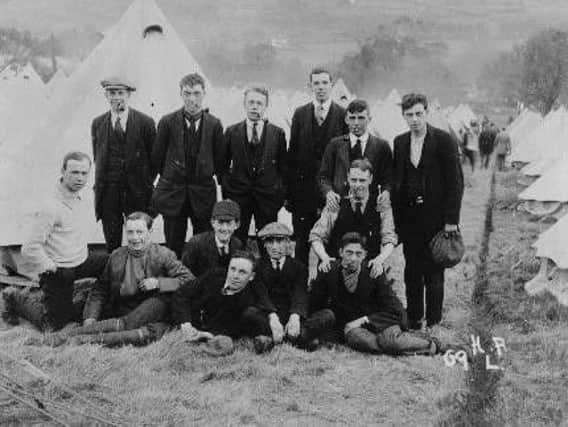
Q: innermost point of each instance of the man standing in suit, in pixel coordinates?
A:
(186, 155)
(254, 164)
(212, 249)
(358, 144)
(122, 146)
(313, 126)
(426, 198)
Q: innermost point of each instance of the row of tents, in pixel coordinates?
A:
(540, 150)
(43, 122)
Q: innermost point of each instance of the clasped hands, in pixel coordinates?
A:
(291, 330)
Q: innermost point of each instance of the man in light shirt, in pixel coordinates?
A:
(57, 248)
(254, 164)
(122, 141)
(426, 198)
(313, 126)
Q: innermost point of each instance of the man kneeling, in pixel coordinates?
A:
(133, 293)
(225, 303)
(366, 309)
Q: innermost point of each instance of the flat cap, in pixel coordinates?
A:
(226, 209)
(275, 229)
(115, 82)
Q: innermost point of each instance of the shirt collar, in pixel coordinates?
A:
(363, 202)
(221, 245)
(123, 115)
(259, 124)
(364, 138)
(280, 261)
(326, 105)
(65, 193)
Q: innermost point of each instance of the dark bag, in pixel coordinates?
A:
(447, 248)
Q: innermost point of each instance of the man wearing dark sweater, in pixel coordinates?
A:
(213, 249)
(285, 279)
(220, 303)
(366, 310)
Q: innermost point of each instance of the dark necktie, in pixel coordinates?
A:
(118, 127)
(254, 139)
(358, 211)
(357, 151)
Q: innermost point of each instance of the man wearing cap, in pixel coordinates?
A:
(471, 142)
(285, 280)
(187, 155)
(358, 212)
(122, 146)
(426, 198)
(313, 126)
(254, 164)
(358, 144)
(212, 249)
(220, 301)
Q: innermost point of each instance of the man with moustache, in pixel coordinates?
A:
(212, 249)
(57, 249)
(313, 126)
(358, 144)
(254, 164)
(122, 146)
(426, 198)
(186, 154)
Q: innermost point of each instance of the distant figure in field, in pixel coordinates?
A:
(313, 126)
(187, 155)
(57, 248)
(486, 144)
(502, 148)
(426, 198)
(471, 143)
(122, 148)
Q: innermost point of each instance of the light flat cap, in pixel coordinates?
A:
(115, 82)
(275, 229)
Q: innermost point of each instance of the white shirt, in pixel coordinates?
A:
(326, 106)
(197, 123)
(123, 118)
(416, 146)
(363, 138)
(259, 128)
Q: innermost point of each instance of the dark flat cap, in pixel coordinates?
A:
(275, 229)
(226, 209)
(117, 83)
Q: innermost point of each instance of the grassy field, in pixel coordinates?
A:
(171, 382)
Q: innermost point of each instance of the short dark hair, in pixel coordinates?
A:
(358, 106)
(320, 70)
(363, 164)
(258, 88)
(246, 255)
(192, 80)
(136, 216)
(75, 155)
(411, 99)
(353, 237)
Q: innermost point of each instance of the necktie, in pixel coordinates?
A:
(320, 115)
(254, 139)
(276, 265)
(118, 127)
(359, 207)
(357, 151)
(223, 250)
(192, 129)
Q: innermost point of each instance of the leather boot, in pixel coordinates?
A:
(138, 336)
(101, 326)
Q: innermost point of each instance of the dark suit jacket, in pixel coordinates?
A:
(304, 160)
(376, 298)
(140, 135)
(201, 254)
(335, 164)
(442, 185)
(168, 158)
(161, 263)
(268, 188)
(294, 279)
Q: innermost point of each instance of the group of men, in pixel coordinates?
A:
(351, 198)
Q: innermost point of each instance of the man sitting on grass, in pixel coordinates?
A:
(225, 303)
(285, 279)
(133, 294)
(366, 310)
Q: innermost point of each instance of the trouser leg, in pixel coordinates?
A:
(57, 289)
(254, 322)
(138, 336)
(28, 305)
(394, 341)
(434, 283)
(362, 339)
(175, 230)
(303, 224)
(316, 325)
(112, 216)
(414, 283)
(151, 310)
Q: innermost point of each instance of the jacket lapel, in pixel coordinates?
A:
(131, 138)
(242, 136)
(269, 139)
(211, 247)
(332, 119)
(428, 152)
(104, 138)
(206, 131)
(404, 153)
(371, 147)
(343, 157)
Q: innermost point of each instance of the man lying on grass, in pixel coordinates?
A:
(227, 303)
(368, 313)
(133, 294)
